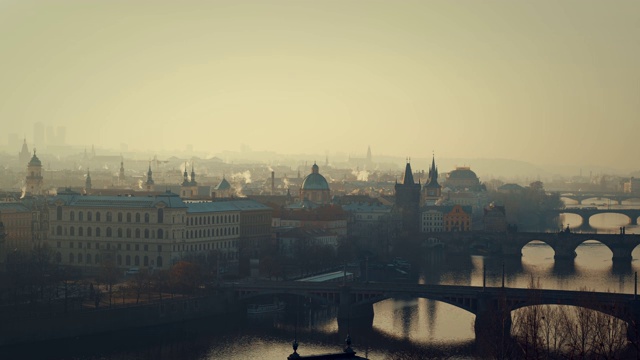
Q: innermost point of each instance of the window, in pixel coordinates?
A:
(137, 247)
(97, 232)
(72, 231)
(128, 217)
(88, 245)
(128, 233)
(89, 216)
(88, 258)
(97, 216)
(97, 257)
(80, 259)
(58, 244)
(59, 213)
(119, 259)
(146, 217)
(160, 234)
(145, 261)
(136, 261)
(80, 231)
(146, 233)
(80, 216)
(108, 232)
(119, 232)
(146, 247)
(72, 216)
(71, 258)
(71, 245)
(109, 219)
(59, 230)
(137, 233)
(128, 247)
(119, 217)
(137, 218)
(159, 248)
(127, 260)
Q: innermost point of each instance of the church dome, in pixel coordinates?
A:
(315, 181)
(34, 160)
(463, 173)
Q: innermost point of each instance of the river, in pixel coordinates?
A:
(419, 327)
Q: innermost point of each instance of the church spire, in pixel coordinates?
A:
(193, 175)
(408, 175)
(150, 175)
(87, 182)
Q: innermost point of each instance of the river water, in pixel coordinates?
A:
(420, 328)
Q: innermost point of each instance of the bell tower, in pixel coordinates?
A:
(34, 175)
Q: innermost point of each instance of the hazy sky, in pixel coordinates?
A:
(542, 81)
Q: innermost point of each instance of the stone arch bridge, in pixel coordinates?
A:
(492, 306)
(563, 243)
(585, 214)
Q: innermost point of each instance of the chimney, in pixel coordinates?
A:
(273, 182)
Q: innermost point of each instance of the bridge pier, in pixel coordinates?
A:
(634, 220)
(493, 322)
(621, 253)
(349, 312)
(564, 254)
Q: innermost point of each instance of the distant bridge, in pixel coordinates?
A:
(491, 305)
(586, 214)
(618, 197)
(563, 243)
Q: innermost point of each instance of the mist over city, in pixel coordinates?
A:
(319, 179)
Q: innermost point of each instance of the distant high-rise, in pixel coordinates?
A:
(369, 154)
(38, 134)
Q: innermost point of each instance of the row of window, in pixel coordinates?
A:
(214, 219)
(108, 246)
(109, 216)
(202, 233)
(95, 259)
(231, 244)
(137, 233)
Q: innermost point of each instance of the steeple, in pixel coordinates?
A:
(87, 182)
(408, 175)
(121, 174)
(150, 175)
(433, 174)
(185, 181)
(369, 153)
(193, 176)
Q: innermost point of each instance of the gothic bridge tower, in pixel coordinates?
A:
(408, 202)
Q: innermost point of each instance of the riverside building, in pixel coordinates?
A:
(152, 232)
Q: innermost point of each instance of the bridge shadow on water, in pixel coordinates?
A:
(236, 337)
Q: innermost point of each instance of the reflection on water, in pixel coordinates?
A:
(420, 325)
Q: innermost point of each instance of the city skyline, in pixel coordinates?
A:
(546, 83)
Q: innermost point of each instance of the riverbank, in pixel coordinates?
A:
(53, 326)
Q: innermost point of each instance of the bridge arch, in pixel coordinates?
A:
(329, 298)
